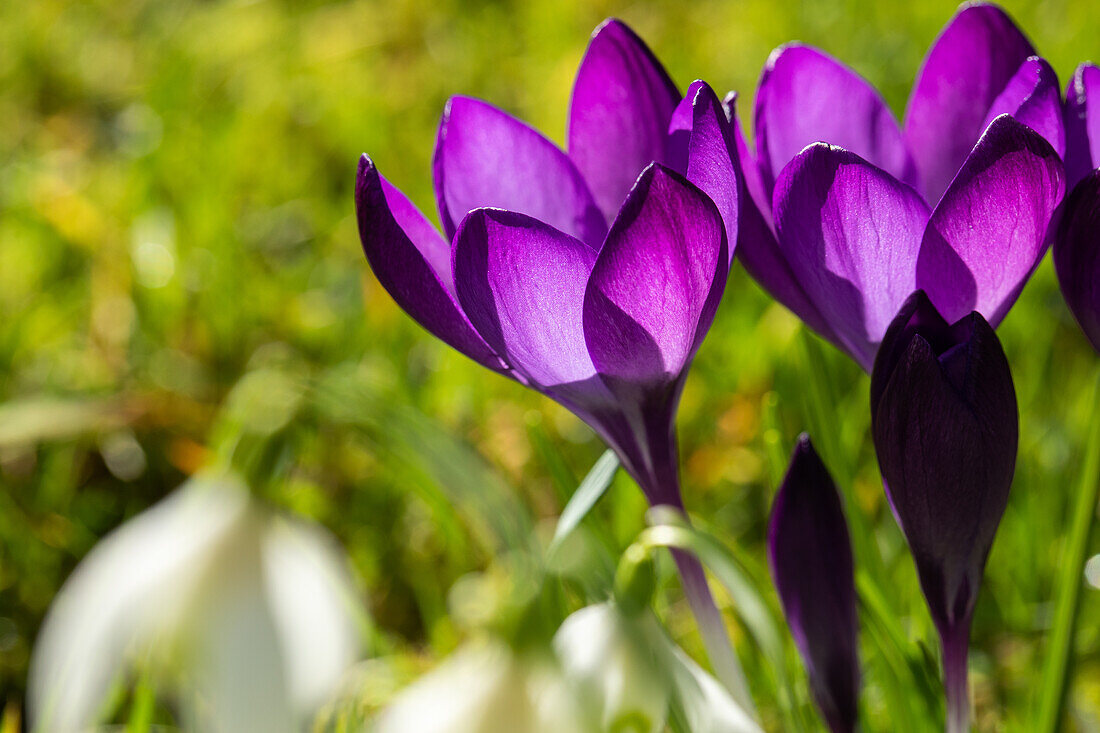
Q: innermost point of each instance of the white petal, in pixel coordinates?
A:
(706, 703)
(610, 658)
(313, 602)
(124, 592)
(455, 697)
(233, 661)
(484, 688)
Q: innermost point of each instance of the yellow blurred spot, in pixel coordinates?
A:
(73, 216)
(187, 455)
(740, 422)
(868, 494)
(10, 722)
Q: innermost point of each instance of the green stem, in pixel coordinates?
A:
(1068, 585)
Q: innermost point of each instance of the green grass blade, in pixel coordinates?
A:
(594, 486)
(1052, 690)
(141, 710)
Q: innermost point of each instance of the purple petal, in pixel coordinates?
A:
(1077, 255)
(966, 69)
(757, 247)
(1082, 119)
(657, 282)
(412, 262)
(810, 553)
(704, 151)
(945, 430)
(750, 171)
(850, 234)
(618, 118)
(806, 96)
(1033, 97)
(486, 158)
(522, 284)
(989, 232)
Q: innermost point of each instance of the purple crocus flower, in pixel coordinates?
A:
(591, 276)
(1077, 244)
(535, 285)
(944, 419)
(949, 155)
(811, 560)
(857, 241)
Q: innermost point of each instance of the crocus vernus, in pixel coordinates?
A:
(572, 273)
(858, 241)
(538, 287)
(811, 560)
(859, 245)
(943, 415)
(1077, 243)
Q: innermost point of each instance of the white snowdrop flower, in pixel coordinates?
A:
(610, 658)
(631, 672)
(485, 687)
(246, 615)
(707, 705)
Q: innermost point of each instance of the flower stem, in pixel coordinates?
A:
(956, 643)
(657, 472)
(713, 629)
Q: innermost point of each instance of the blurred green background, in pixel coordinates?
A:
(179, 267)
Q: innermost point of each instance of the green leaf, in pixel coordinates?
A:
(141, 711)
(594, 486)
(748, 604)
(1055, 680)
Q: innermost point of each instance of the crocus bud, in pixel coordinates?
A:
(943, 414)
(1077, 255)
(811, 560)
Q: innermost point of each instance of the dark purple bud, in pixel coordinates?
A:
(811, 560)
(1077, 255)
(1082, 121)
(943, 414)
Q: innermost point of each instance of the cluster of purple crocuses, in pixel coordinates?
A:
(593, 274)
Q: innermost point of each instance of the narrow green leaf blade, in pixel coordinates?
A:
(1055, 681)
(594, 486)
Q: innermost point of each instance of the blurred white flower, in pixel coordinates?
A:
(631, 672)
(707, 705)
(611, 660)
(486, 688)
(250, 616)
